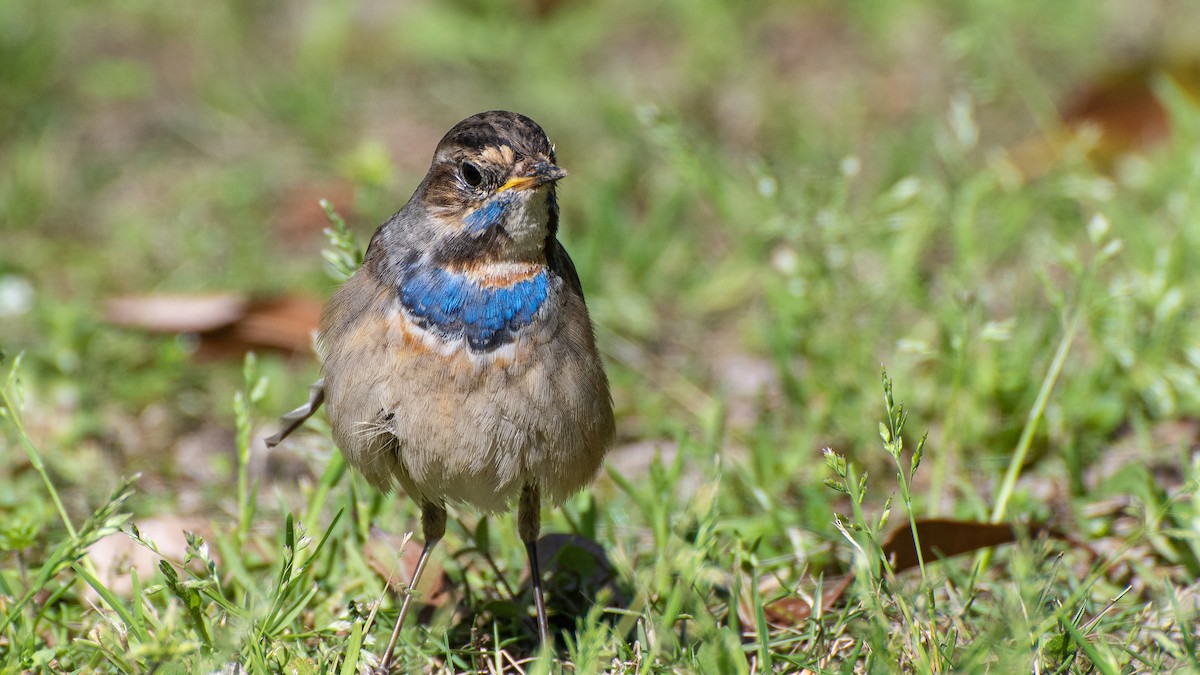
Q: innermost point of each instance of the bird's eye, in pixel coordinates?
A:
(471, 174)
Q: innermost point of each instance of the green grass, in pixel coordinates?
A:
(767, 201)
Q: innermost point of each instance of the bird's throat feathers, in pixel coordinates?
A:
(515, 225)
(487, 305)
(488, 215)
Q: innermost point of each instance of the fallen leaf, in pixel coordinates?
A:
(940, 539)
(286, 323)
(943, 538)
(1121, 107)
(1124, 107)
(794, 609)
(226, 325)
(171, 313)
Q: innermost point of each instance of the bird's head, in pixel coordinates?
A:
(489, 194)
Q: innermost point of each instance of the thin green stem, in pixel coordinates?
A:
(31, 452)
(1034, 418)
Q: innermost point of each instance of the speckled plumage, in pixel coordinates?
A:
(459, 361)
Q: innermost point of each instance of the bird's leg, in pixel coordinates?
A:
(433, 526)
(529, 523)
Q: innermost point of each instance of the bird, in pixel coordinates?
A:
(460, 361)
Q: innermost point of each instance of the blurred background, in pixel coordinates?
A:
(767, 200)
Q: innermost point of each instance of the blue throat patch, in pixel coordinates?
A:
(489, 214)
(456, 306)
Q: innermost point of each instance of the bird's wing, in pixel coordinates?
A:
(560, 263)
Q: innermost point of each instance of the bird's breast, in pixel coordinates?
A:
(411, 399)
(484, 308)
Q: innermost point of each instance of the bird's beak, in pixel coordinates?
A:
(538, 174)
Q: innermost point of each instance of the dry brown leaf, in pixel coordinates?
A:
(943, 538)
(285, 323)
(175, 313)
(940, 538)
(1121, 106)
(1125, 109)
(794, 609)
(226, 325)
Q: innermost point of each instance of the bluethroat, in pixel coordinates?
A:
(459, 360)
